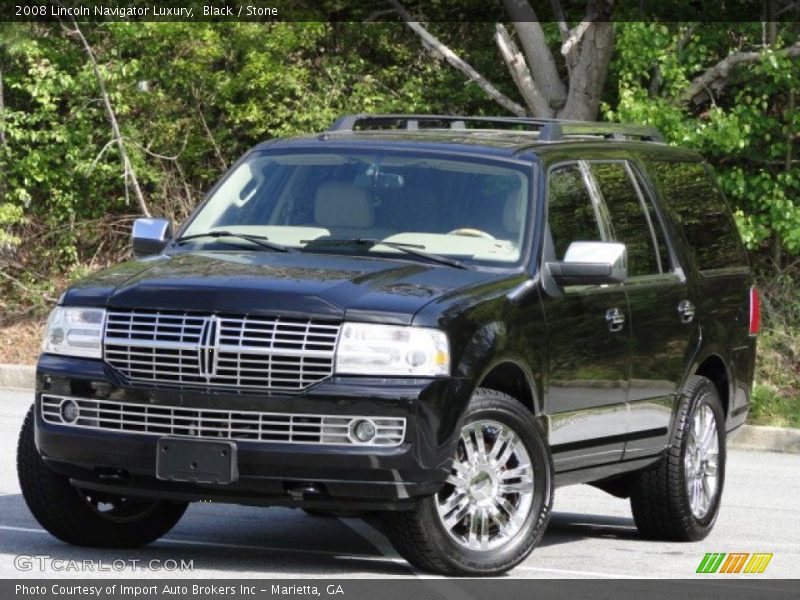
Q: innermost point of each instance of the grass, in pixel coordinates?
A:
(776, 392)
(770, 407)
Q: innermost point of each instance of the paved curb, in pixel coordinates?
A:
(747, 437)
(772, 439)
(17, 376)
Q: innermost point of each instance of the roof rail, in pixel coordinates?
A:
(555, 131)
(549, 130)
(411, 121)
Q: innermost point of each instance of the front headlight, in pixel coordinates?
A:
(75, 331)
(368, 349)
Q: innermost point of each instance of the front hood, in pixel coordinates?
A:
(267, 283)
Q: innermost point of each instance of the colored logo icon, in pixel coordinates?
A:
(734, 562)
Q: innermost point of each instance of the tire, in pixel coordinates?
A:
(421, 536)
(660, 495)
(74, 516)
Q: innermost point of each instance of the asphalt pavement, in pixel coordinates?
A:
(591, 534)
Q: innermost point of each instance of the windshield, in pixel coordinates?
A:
(472, 211)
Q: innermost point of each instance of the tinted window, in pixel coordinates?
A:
(475, 210)
(656, 224)
(629, 223)
(571, 213)
(701, 211)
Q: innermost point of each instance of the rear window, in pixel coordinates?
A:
(702, 213)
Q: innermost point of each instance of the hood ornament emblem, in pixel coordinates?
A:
(208, 348)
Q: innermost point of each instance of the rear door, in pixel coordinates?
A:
(663, 326)
(715, 253)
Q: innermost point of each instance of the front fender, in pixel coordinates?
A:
(495, 345)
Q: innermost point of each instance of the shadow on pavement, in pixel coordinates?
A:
(231, 539)
(290, 543)
(572, 527)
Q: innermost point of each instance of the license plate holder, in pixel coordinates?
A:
(197, 461)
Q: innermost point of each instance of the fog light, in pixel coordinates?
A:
(69, 411)
(364, 430)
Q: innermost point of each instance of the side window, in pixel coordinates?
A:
(656, 223)
(571, 213)
(630, 224)
(702, 213)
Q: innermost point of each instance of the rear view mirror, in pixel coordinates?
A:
(150, 236)
(389, 181)
(373, 177)
(590, 263)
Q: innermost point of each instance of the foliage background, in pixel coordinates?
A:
(191, 97)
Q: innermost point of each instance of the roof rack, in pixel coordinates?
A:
(556, 130)
(549, 130)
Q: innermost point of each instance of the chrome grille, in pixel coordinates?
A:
(277, 353)
(288, 428)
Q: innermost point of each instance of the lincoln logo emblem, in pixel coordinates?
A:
(207, 350)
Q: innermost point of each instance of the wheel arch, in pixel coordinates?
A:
(713, 367)
(511, 376)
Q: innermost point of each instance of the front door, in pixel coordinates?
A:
(588, 336)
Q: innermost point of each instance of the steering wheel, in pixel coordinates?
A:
(470, 232)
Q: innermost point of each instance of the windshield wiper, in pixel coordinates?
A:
(408, 248)
(258, 240)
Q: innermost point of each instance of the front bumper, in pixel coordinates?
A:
(270, 473)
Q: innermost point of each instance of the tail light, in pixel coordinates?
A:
(755, 312)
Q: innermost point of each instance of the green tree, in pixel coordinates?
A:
(719, 88)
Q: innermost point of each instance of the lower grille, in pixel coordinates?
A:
(287, 428)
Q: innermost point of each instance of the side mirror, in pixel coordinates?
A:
(150, 236)
(590, 263)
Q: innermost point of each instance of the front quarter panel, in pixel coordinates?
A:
(486, 329)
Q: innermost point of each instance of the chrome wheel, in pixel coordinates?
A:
(489, 492)
(701, 462)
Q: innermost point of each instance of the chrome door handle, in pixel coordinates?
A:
(686, 311)
(615, 319)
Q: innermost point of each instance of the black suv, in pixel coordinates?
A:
(440, 319)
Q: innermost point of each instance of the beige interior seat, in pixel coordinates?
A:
(339, 204)
(346, 211)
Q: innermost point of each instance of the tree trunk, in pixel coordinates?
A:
(715, 78)
(434, 45)
(772, 25)
(586, 48)
(539, 57)
(777, 242)
(521, 74)
(589, 73)
(2, 113)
